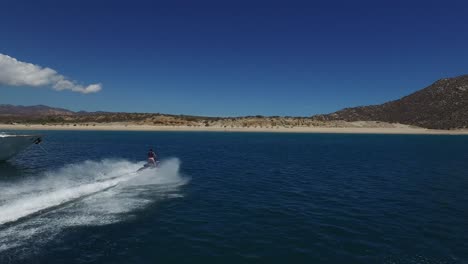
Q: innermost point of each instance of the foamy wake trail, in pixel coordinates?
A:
(36, 211)
(49, 199)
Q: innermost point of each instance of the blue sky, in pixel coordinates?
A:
(231, 58)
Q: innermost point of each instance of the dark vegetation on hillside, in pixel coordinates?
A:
(442, 105)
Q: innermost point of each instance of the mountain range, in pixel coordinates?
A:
(442, 105)
(35, 110)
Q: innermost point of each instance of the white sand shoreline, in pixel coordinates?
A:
(337, 130)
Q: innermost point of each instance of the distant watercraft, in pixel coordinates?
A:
(12, 144)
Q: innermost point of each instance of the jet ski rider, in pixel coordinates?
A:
(152, 157)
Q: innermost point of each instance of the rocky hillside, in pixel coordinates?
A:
(442, 105)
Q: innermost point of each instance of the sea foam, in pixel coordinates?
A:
(87, 193)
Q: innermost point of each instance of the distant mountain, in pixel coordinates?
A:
(442, 105)
(35, 110)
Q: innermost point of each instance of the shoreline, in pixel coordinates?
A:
(326, 130)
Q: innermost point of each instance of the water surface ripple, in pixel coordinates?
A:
(243, 197)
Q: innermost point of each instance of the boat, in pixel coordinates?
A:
(12, 144)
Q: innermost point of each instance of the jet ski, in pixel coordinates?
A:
(148, 166)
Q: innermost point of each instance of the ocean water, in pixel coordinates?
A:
(236, 198)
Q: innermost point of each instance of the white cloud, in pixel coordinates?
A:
(18, 73)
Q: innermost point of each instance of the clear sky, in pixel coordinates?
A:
(227, 58)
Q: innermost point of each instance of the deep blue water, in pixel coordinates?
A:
(236, 198)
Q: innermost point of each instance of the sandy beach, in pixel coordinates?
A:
(396, 129)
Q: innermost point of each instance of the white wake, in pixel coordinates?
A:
(88, 193)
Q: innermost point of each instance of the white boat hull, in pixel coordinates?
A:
(10, 145)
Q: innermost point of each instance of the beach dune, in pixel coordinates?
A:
(359, 127)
